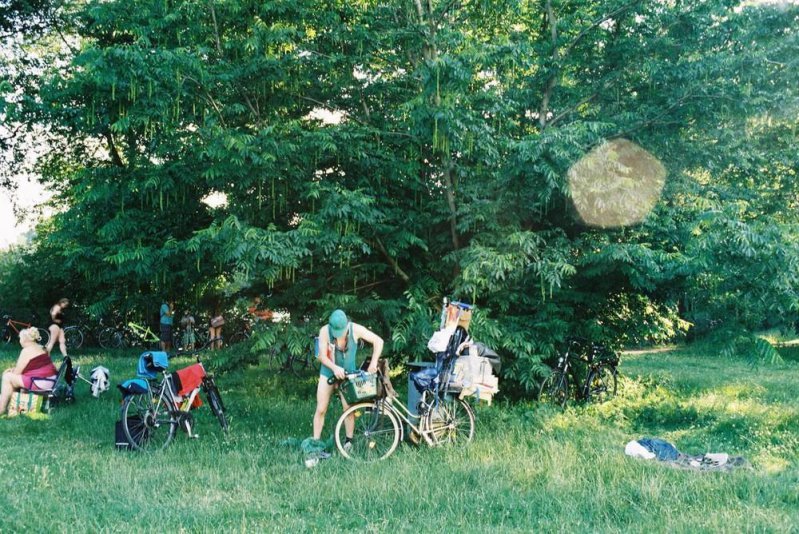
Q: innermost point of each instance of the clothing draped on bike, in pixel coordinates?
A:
(188, 379)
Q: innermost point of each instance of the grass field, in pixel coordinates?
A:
(529, 469)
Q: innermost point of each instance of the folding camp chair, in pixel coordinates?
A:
(58, 389)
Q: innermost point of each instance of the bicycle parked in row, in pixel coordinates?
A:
(151, 418)
(130, 334)
(12, 328)
(600, 380)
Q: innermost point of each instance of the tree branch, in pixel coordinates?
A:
(391, 261)
(112, 148)
(216, 30)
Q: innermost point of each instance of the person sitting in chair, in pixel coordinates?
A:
(34, 370)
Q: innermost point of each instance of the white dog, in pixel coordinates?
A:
(99, 380)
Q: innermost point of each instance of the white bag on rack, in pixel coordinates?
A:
(440, 340)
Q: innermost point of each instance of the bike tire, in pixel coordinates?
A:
(238, 337)
(44, 335)
(73, 337)
(7, 335)
(450, 422)
(216, 404)
(148, 423)
(555, 389)
(299, 364)
(106, 338)
(376, 434)
(601, 384)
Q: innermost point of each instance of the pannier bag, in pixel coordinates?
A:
(121, 440)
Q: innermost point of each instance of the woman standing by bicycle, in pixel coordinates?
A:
(338, 343)
(57, 327)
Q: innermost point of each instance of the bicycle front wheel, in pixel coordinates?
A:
(601, 384)
(376, 433)
(299, 364)
(450, 421)
(73, 337)
(148, 423)
(107, 338)
(215, 401)
(554, 389)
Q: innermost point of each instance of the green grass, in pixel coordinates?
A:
(529, 469)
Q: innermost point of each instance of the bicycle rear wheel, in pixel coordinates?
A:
(601, 384)
(73, 337)
(555, 389)
(376, 433)
(450, 421)
(148, 423)
(238, 337)
(44, 335)
(108, 338)
(215, 401)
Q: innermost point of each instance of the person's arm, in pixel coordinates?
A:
(327, 356)
(361, 332)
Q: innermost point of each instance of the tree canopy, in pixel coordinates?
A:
(378, 155)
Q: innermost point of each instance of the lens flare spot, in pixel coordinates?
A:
(616, 184)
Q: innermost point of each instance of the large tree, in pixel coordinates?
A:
(378, 155)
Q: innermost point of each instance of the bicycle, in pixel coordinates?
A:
(130, 335)
(74, 336)
(151, 420)
(308, 360)
(600, 382)
(378, 423)
(13, 327)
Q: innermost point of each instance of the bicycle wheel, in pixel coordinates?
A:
(299, 364)
(554, 389)
(148, 423)
(601, 384)
(215, 401)
(376, 434)
(278, 360)
(238, 337)
(451, 421)
(107, 338)
(7, 335)
(45, 335)
(74, 337)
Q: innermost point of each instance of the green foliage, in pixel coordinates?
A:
(442, 172)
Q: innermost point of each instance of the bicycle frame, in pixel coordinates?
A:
(143, 333)
(13, 324)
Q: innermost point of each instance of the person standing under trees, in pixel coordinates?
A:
(167, 310)
(338, 343)
(187, 322)
(215, 328)
(57, 327)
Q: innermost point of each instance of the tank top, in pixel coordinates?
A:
(345, 358)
